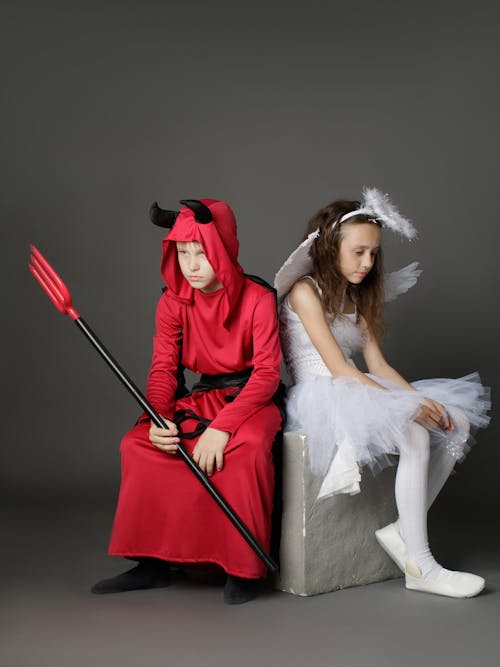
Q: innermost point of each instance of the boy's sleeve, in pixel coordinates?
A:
(265, 376)
(167, 342)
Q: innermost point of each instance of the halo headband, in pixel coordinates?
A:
(358, 211)
(377, 205)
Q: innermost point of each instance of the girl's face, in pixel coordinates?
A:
(358, 248)
(195, 267)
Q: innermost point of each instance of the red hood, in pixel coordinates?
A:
(220, 243)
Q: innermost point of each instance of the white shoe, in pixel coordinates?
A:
(444, 582)
(392, 543)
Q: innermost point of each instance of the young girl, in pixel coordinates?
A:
(334, 291)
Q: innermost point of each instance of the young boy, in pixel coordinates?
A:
(213, 320)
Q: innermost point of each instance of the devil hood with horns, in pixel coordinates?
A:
(211, 223)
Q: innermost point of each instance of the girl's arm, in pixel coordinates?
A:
(306, 303)
(432, 414)
(376, 363)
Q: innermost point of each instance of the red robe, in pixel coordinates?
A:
(163, 510)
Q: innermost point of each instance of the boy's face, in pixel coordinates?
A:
(195, 267)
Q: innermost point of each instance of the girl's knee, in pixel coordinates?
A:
(417, 443)
(459, 420)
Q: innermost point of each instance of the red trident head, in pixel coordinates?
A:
(51, 283)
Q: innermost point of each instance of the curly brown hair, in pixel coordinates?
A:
(369, 294)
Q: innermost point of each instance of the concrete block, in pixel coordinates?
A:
(330, 544)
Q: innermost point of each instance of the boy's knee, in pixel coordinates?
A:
(126, 444)
(253, 450)
(133, 438)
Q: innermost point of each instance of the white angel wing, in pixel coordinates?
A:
(297, 265)
(399, 282)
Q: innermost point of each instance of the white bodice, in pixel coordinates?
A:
(302, 358)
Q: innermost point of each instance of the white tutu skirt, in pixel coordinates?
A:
(334, 410)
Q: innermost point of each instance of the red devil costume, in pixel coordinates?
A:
(230, 336)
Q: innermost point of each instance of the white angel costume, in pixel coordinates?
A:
(350, 424)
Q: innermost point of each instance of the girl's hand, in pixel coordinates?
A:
(446, 423)
(209, 450)
(164, 438)
(432, 415)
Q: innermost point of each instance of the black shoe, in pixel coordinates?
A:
(239, 590)
(149, 573)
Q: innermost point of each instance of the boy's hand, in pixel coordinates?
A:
(164, 438)
(209, 450)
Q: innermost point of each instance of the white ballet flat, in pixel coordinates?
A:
(445, 582)
(392, 543)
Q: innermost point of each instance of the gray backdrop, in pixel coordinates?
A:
(277, 108)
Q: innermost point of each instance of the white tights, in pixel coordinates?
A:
(420, 476)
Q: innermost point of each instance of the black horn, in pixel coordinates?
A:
(202, 213)
(161, 217)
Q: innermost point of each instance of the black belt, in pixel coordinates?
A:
(235, 380)
(206, 382)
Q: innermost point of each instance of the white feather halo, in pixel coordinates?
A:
(378, 204)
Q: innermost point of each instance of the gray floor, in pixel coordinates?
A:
(49, 619)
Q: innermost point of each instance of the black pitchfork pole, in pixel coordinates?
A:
(60, 296)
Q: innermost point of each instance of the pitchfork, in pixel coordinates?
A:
(60, 296)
